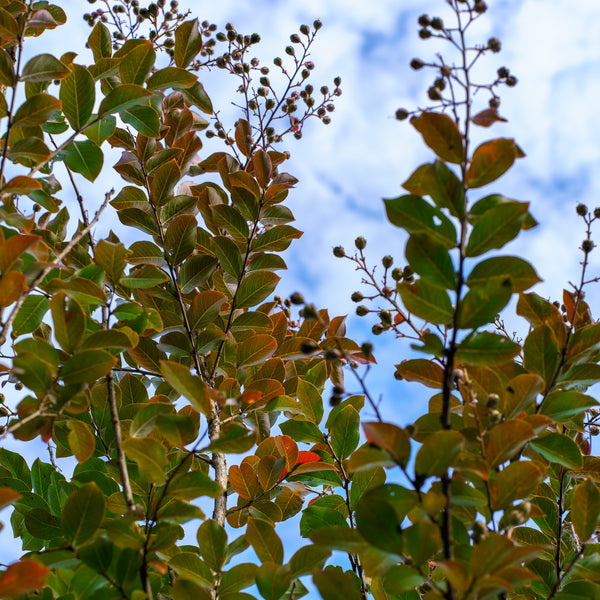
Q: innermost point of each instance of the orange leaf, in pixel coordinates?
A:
(22, 185)
(11, 286)
(23, 577)
(7, 497)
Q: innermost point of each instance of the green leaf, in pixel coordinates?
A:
(426, 301)
(188, 42)
(171, 77)
(188, 385)
(481, 304)
(36, 110)
(7, 69)
(77, 94)
(30, 151)
(30, 314)
(194, 484)
(195, 271)
(401, 578)
(82, 513)
(228, 253)
(438, 453)
(415, 215)
(255, 287)
(273, 580)
(585, 509)
(197, 96)
(212, 543)
(191, 566)
(266, 543)
(122, 98)
(137, 64)
(430, 260)
(180, 238)
(422, 540)
(150, 457)
(237, 578)
(101, 130)
(378, 523)
(487, 349)
(145, 119)
(85, 158)
(521, 274)
(44, 67)
(111, 258)
(144, 277)
(334, 584)
(275, 239)
(82, 441)
(87, 366)
(42, 525)
(516, 481)
(497, 226)
(583, 374)
(558, 448)
(205, 308)
(563, 405)
(310, 401)
(490, 161)
(441, 134)
(229, 218)
(344, 432)
(138, 218)
(306, 559)
(100, 41)
(541, 353)
(439, 182)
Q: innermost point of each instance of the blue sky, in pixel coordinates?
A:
(365, 154)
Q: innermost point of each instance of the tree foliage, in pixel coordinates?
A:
(182, 387)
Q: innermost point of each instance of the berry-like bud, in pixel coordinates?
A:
(425, 34)
(360, 243)
(503, 72)
(367, 349)
(308, 347)
(387, 292)
(494, 102)
(511, 81)
(594, 430)
(356, 297)
(386, 317)
(494, 417)
(439, 83)
(339, 252)
(337, 81)
(434, 94)
(437, 23)
(387, 261)
(416, 64)
(494, 45)
(492, 401)
(587, 246)
(424, 21)
(309, 312)
(581, 210)
(295, 38)
(362, 310)
(18, 386)
(317, 25)
(297, 298)
(480, 7)
(397, 274)
(338, 390)
(597, 213)
(401, 114)
(304, 29)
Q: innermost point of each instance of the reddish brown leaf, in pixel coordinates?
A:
(488, 117)
(12, 284)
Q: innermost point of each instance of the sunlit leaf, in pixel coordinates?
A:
(77, 95)
(516, 481)
(150, 457)
(585, 509)
(85, 158)
(37, 109)
(22, 577)
(438, 453)
(441, 134)
(506, 439)
(491, 160)
(255, 288)
(558, 448)
(44, 67)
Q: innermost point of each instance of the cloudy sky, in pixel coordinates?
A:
(346, 168)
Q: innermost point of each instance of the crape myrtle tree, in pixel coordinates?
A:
(153, 362)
